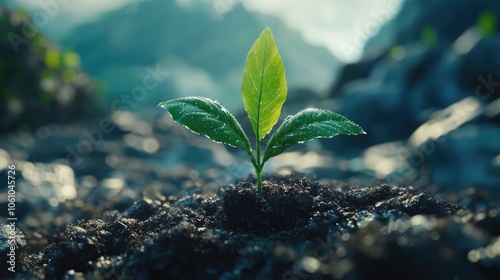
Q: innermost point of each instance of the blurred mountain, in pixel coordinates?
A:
(434, 22)
(40, 83)
(422, 61)
(427, 92)
(203, 49)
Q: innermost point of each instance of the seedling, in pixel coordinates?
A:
(263, 90)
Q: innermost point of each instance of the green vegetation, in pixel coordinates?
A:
(264, 91)
(487, 23)
(429, 36)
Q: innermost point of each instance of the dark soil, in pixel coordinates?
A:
(298, 229)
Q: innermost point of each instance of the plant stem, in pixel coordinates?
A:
(259, 167)
(259, 180)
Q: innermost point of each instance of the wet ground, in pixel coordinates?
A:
(135, 209)
(298, 229)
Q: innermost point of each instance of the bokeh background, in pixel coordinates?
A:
(80, 81)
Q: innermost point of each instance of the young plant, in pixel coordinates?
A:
(263, 90)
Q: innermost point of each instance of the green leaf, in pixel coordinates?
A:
(209, 118)
(307, 125)
(263, 87)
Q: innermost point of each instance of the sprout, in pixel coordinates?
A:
(263, 90)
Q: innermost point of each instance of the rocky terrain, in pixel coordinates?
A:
(428, 88)
(128, 194)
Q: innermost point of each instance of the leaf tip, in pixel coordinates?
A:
(267, 31)
(161, 104)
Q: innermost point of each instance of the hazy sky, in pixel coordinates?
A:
(340, 25)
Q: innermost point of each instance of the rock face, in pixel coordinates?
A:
(400, 95)
(426, 75)
(474, 165)
(434, 22)
(405, 76)
(40, 84)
